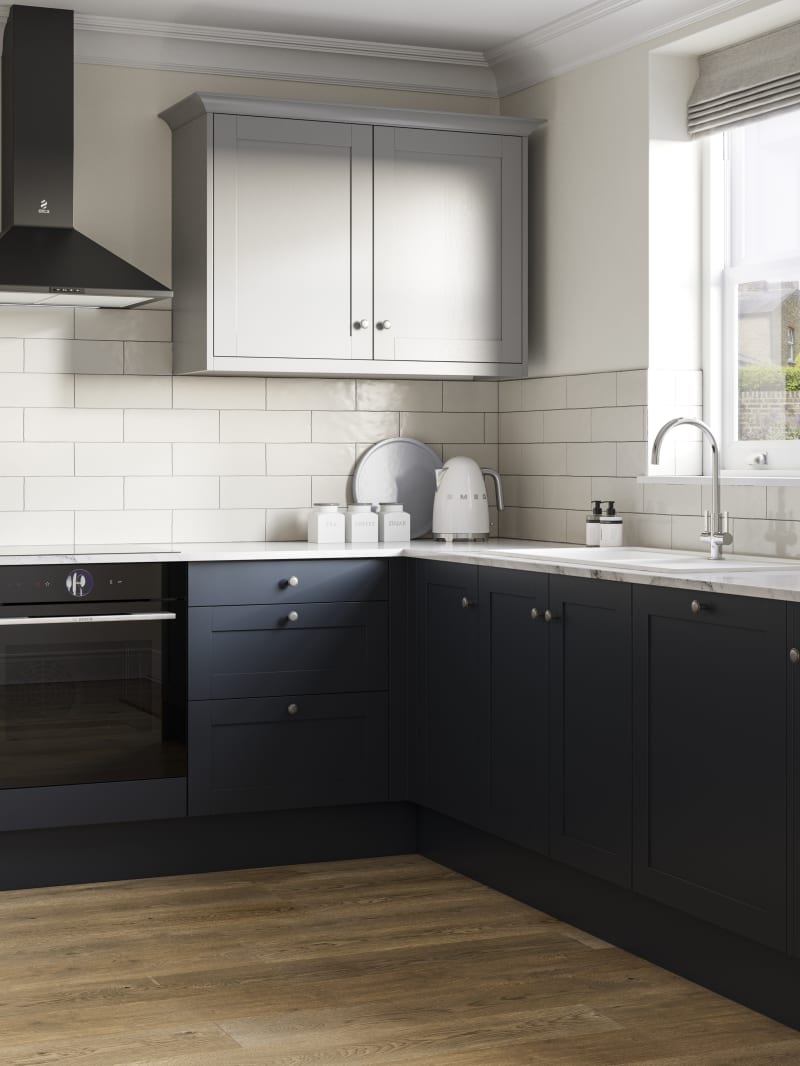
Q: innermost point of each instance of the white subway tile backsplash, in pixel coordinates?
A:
(335, 427)
(672, 499)
(510, 395)
(12, 496)
(626, 492)
(310, 394)
(147, 357)
(632, 459)
(243, 492)
(618, 423)
(11, 423)
(533, 458)
(309, 459)
(72, 424)
(544, 394)
(216, 393)
(392, 395)
(568, 425)
(120, 459)
(287, 525)
(219, 526)
(491, 427)
(12, 357)
(54, 356)
(123, 527)
(742, 501)
(648, 530)
(521, 427)
(120, 324)
(265, 426)
(331, 488)
(171, 425)
(592, 459)
(567, 492)
(220, 459)
(102, 390)
(73, 493)
(632, 388)
(442, 428)
(37, 390)
(523, 491)
(753, 537)
(37, 459)
(483, 454)
(592, 390)
(171, 493)
(30, 321)
(30, 529)
(470, 396)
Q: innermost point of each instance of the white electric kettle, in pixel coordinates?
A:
(460, 506)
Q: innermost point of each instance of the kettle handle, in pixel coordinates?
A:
(439, 473)
(498, 488)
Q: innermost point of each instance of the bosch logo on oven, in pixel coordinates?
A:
(80, 583)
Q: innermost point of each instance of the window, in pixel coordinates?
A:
(760, 371)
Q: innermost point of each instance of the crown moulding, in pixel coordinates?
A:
(597, 30)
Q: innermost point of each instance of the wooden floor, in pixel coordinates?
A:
(383, 961)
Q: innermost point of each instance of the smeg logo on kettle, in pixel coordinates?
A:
(79, 583)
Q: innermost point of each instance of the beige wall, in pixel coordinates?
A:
(589, 221)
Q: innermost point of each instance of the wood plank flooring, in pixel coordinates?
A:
(385, 962)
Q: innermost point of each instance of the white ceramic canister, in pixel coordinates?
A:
(361, 524)
(326, 524)
(394, 524)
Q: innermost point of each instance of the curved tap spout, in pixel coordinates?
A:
(716, 531)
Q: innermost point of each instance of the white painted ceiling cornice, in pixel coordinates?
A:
(596, 30)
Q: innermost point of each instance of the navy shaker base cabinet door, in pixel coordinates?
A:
(712, 751)
(279, 753)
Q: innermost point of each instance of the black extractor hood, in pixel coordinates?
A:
(43, 258)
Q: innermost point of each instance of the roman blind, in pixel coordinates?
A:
(747, 81)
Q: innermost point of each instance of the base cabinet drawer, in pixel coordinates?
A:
(288, 581)
(273, 650)
(283, 753)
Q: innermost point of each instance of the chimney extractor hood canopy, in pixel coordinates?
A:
(43, 258)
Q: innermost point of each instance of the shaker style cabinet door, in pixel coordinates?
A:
(712, 747)
(292, 239)
(449, 221)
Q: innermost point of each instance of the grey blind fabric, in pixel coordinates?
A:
(747, 81)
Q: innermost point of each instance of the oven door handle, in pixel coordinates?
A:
(55, 620)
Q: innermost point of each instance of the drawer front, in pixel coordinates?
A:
(289, 752)
(289, 581)
(267, 650)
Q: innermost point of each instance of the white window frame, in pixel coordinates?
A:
(721, 399)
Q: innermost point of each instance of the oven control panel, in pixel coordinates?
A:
(65, 583)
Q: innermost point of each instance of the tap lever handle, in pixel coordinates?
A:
(707, 529)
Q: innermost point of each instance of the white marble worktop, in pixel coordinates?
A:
(769, 578)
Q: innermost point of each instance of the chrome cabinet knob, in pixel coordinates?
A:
(293, 708)
(293, 582)
(697, 606)
(386, 324)
(465, 602)
(536, 614)
(549, 616)
(363, 323)
(292, 616)
(794, 655)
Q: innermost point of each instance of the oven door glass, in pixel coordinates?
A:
(89, 701)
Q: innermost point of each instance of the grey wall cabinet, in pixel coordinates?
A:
(288, 689)
(330, 240)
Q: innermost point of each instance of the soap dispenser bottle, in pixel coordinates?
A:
(593, 525)
(610, 527)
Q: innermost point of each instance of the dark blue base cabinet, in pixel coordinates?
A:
(288, 691)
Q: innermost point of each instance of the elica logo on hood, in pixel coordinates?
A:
(44, 209)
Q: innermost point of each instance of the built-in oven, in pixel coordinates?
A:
(92, 693)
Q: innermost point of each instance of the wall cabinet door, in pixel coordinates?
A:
(590, 726)
(514, 670)
(449, 765)
(449, 242)
(712, 750)
(292, 239)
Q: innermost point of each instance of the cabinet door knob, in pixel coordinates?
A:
(292, 616)
(697, 606)
(465, 602)
(550, 617)
(794, 655)
(536, 614)
(386, 324)
(293, 582)
(363, 323)
(293, 708)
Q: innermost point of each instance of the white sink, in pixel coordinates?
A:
(651, 559)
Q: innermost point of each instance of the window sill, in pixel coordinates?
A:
(778, 479)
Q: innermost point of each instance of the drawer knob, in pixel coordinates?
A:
(362, 323)
(292, 616)
(549, 616)
(794, 655)
(697, 606)
(293, 708)
(466, 602)
(386, 324)
(293, 582)
(536, 614)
